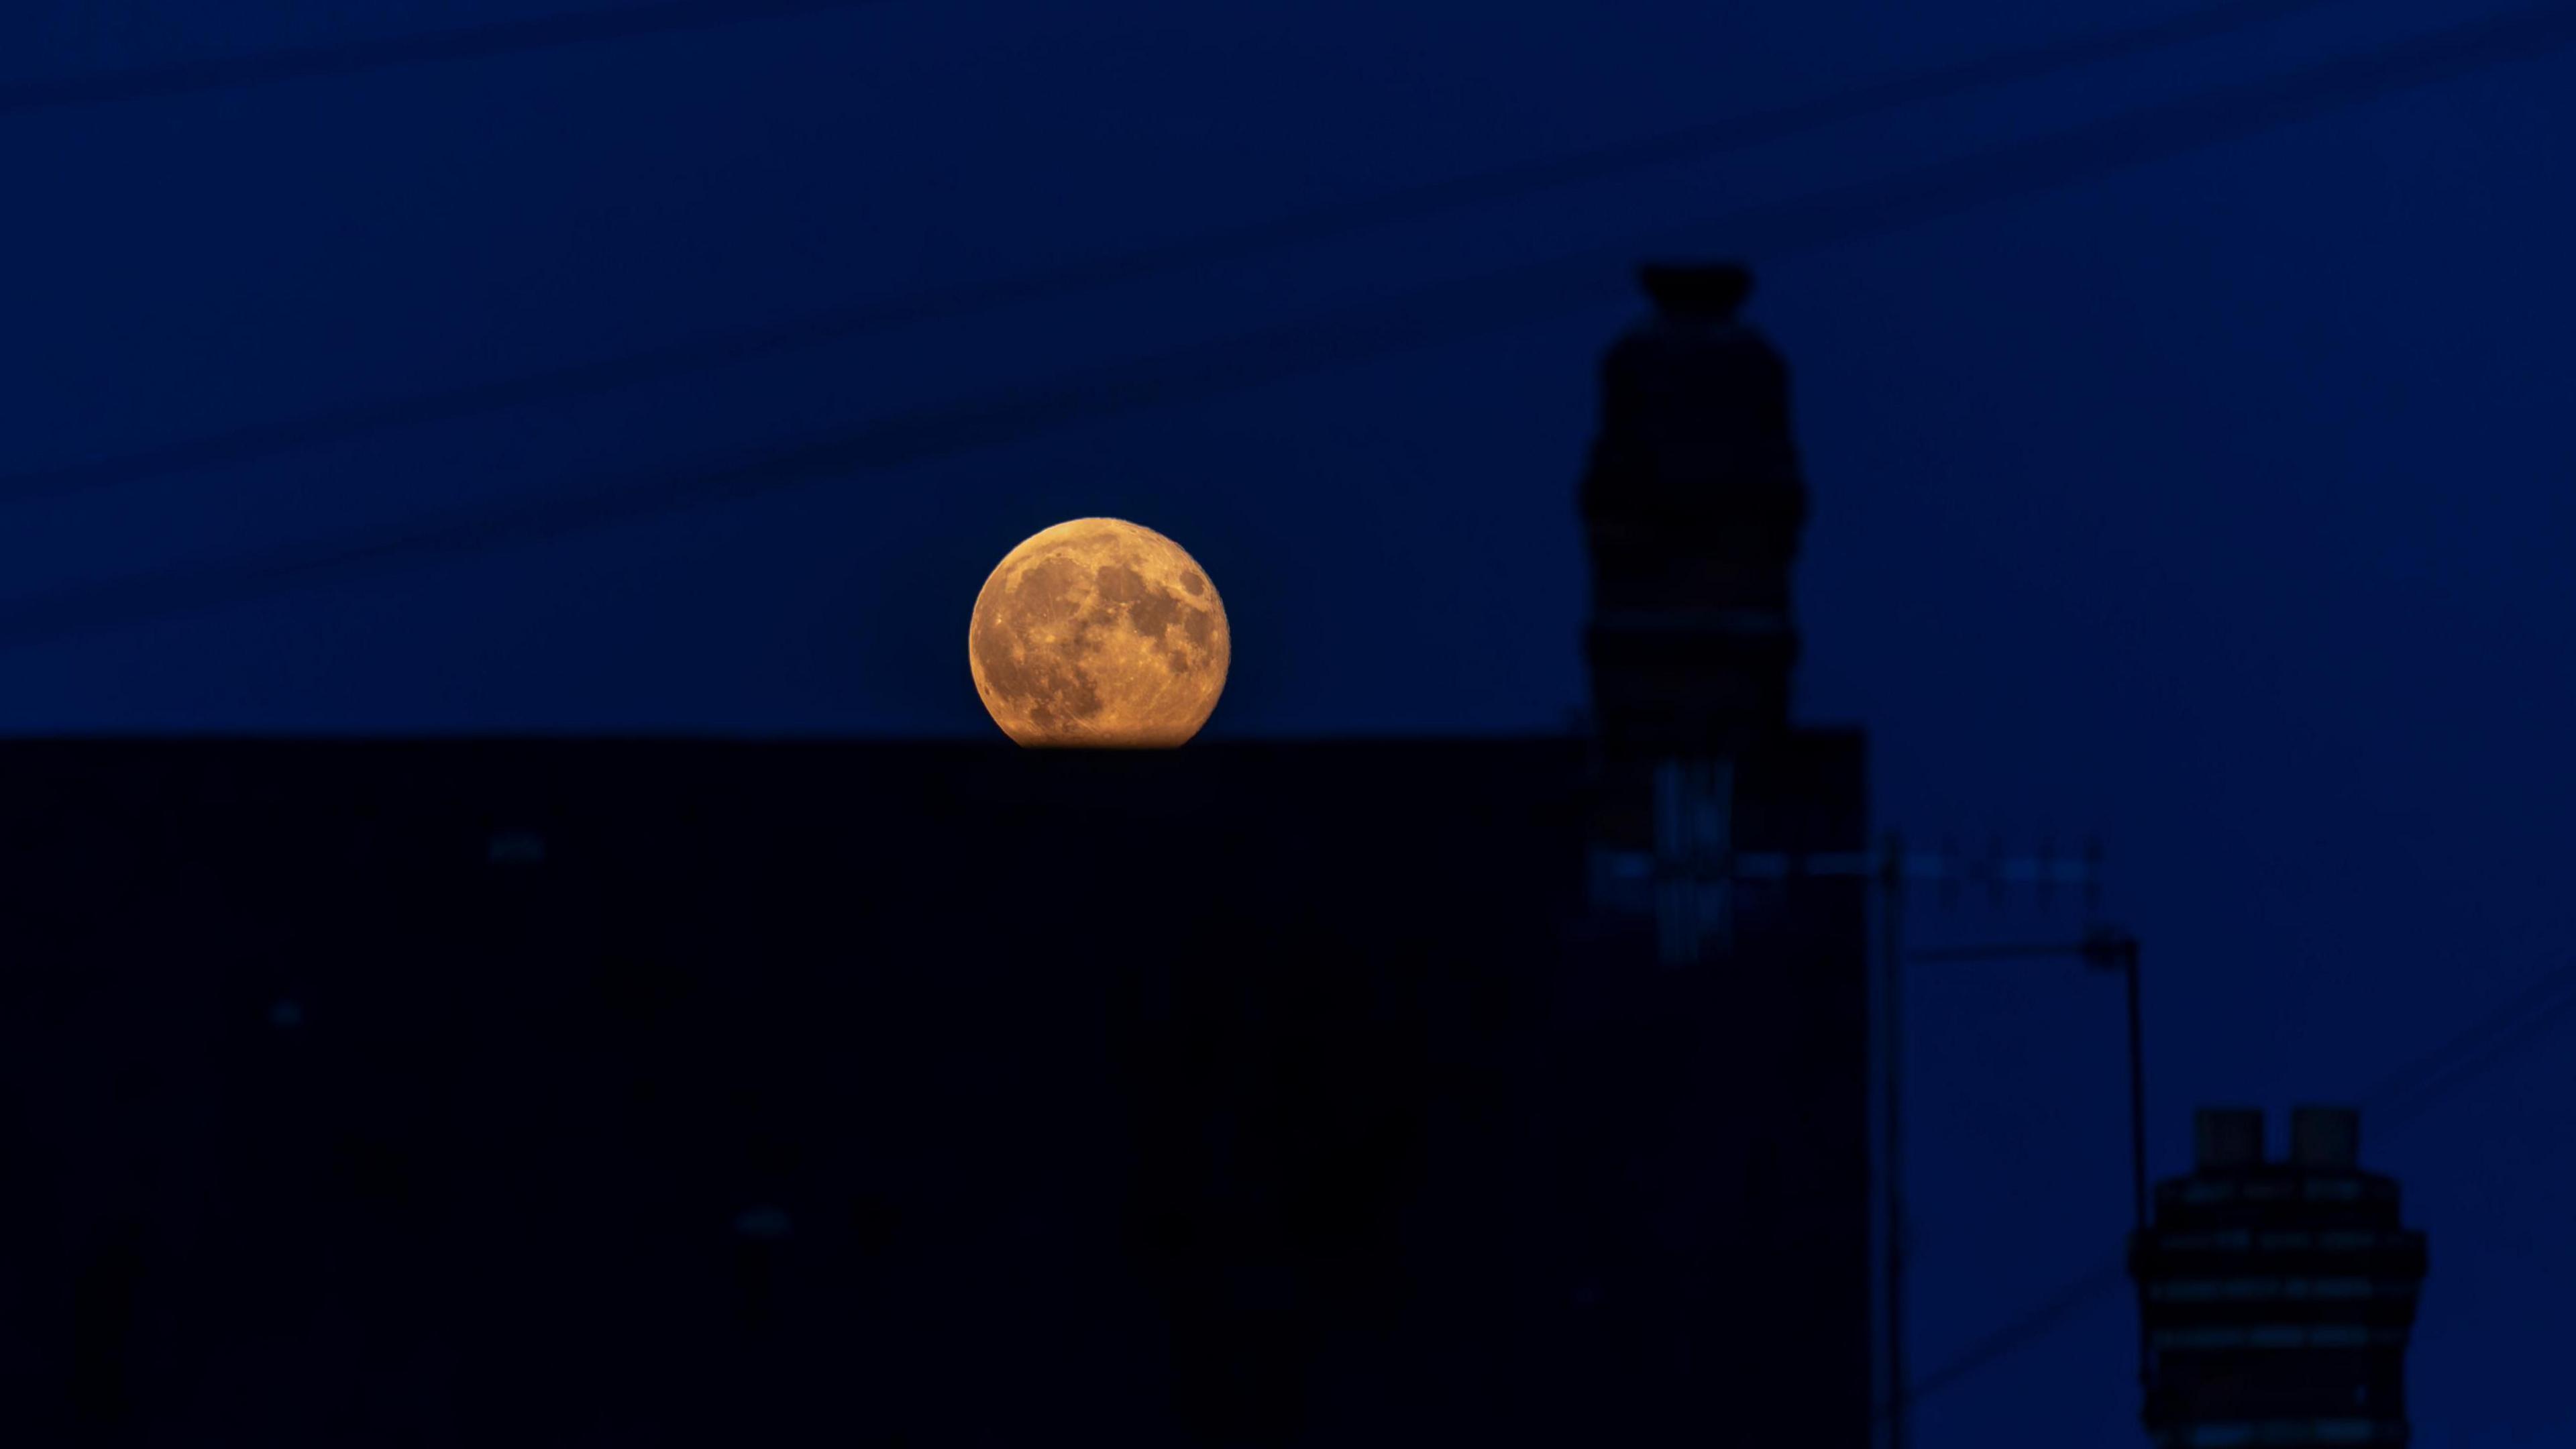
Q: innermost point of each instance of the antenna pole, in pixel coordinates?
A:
(1892, 953)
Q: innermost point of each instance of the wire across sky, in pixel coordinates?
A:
(1451, 312)
(347, 58)
(1511, 182)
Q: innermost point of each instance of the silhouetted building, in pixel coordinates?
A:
(2276, 1297)
(672, 1093)
(687, 1092)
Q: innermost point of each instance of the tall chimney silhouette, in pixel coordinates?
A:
(1693, 506)
(2277, 1297)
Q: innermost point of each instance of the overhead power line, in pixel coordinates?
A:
(1453, 312)
(2030, 1328)
(1520, 179)
(320, 62)
(2396, 1102)
(2413, 1090)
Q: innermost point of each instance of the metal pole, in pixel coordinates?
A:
(2108, 950)
(1891, 908)
(2137, 1090)
(2137, 1139)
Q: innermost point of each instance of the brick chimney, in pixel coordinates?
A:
(1692, 506)
(2276, 1298)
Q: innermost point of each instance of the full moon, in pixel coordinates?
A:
(1101, 634)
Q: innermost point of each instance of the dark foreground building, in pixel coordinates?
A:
(2276, 1296)
(682, 1093)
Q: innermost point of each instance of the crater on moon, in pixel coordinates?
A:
(1099, 633)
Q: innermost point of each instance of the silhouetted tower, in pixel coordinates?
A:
(1692, 506)
(2276, 1298)
(1729, 890)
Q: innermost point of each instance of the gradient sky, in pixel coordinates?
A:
(2216, 505)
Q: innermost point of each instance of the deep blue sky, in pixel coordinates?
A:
(2216, 505)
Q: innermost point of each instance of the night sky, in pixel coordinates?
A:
(2215, 504)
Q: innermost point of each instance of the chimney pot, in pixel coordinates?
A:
(2325, 1137)
(1697, 289)
(2230, 1138)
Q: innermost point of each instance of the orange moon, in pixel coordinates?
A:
(1099, 633)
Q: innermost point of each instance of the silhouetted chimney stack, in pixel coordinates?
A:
(2276, 1298)
(1692, 506)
